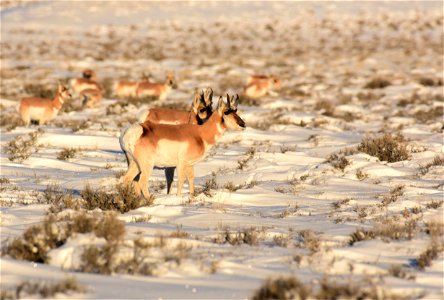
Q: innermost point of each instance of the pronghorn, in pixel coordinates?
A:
(89, 81)
(201, 110)
(125, 88)
(156, 89)
(91, 97)
(259, 85)
(43, 110)
(165, 145)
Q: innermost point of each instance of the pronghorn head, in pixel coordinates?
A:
(63, 92)
(276, 82)
(145, 77)
(89, 74)
(171, 80)
(203, 104)
(228, 111)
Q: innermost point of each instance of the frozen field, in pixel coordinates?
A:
(299, 194)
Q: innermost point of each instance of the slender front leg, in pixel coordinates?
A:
(189, 172)
(169, 174)
(180, 177)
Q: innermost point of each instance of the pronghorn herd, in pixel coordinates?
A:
(163, 137)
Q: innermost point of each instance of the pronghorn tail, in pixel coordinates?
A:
(128, 138)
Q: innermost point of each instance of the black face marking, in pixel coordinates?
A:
(230, 111)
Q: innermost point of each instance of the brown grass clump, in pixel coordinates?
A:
(310, 240)
(44, 290)
(393, 195)
(338, 161)
(282, 288)
(39, 90)
(21, 148)
(400, 272)
(67, 153)
(428, 81)
(122, 199)
(438, 160)
(10, 120)
(60, 199)
(38, 240)
(333, 290)
(377, 83)
(430, 253)
(326, 107)
(250, 236)
(388, 148)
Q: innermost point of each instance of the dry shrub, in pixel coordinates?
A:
(282, 240)
(338, 161)
(309, 240)
(117, 108)
(60, 199)
(98, 259)
(333, 290)
(434, 204)
(326, 107)
(67, 153)
(438, 160)
(44, 290)
(426, 116)
(282, 288)
(122, 199)
(400, 272)
(38, 240)
(338, 204)
(75, 125)
(250, 236)
(390, 148)
(393, 195)
(387, 229)
(21, 148)
(10, 120)
(209, 185)
(428, 81)
(377, 83)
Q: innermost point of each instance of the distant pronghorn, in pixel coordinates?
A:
(259, 85)
(125, 88)
(164, 145)
(201, 110)
(91, 97)
(43, 110)
(89, 81)
(156, 89)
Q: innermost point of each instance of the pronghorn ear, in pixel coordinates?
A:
(221, 106)
(197, 97)
(233, 102)
(208, 96)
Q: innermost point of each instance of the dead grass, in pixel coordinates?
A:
(430, 253)
(393, 195)
(400, 272)
(434, 204)
(438, 160)
(330, 289)
(377, 83)
(38, 240)
(39, 90)
(250, 236)
(60, 199)
(122, 199)
(429, 81)
(309, 240)
(21, 148)
(339, 162)
(67, 153)
(282, 288)
(45, 290)
(10, 120)
(325, 107)
(390, 148)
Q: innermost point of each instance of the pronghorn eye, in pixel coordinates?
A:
(202, 110)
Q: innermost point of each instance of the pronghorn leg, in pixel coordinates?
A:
(132, 172)
(169, 174)
(143, 180)
(180, 178)
(189, 173)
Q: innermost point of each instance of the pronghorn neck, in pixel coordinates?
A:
(213, 129)
(58, 101)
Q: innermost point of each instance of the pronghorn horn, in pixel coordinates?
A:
(208, 96)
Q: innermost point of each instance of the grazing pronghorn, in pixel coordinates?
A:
(259, 85)
(91, 97)
(201, 110)
(156, 89)
(43, 110)
(88, 81)
(165, 145)
(125, 88)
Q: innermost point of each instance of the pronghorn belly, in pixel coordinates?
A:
(168, 153)
(148, 92)
(126, 91)
(37, 113)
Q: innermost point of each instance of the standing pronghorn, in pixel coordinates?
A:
(165, 145)
(43, 110)
(125, 88)
(156, 89)
(259, 85)
(201, 110)
(89, 81)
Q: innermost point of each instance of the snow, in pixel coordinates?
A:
(283, 183)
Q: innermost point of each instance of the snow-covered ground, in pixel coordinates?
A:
(274, 180)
